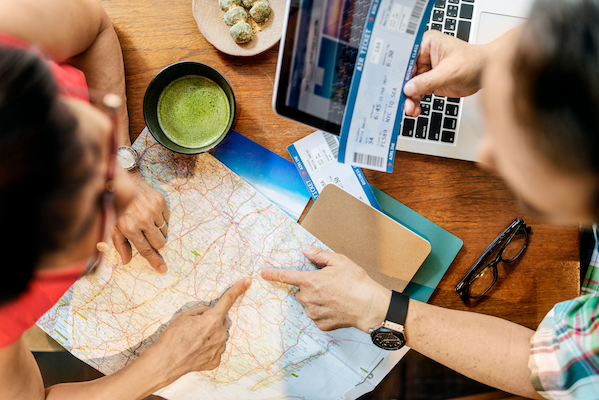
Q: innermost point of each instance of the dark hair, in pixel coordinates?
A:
(42, 167)
(556, 83)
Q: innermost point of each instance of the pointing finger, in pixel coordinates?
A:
(283, 275)
(147, 251)
(230, 297)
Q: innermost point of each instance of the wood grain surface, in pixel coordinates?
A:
(457, 195)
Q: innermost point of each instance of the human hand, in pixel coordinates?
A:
(139, 224)
(445, 66)
(196, 339)
(339, 295)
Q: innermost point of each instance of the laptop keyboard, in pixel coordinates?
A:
(438, 120)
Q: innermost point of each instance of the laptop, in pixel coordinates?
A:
(317, 56)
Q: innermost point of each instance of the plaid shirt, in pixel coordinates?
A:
(564, 352)
(590, 283)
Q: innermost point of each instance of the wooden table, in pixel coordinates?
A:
(463, 199)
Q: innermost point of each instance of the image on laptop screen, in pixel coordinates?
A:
(323, 47)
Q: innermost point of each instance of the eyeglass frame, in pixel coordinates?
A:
(507, 235)
(111, 104)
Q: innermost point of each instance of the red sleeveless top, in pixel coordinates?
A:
(47, 287)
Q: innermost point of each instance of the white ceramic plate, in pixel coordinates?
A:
(208, 16)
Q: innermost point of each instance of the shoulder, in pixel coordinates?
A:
(571, 320)
(62, 29)
(43, 292)
(565, 349)
(577, 312)
(18, 316)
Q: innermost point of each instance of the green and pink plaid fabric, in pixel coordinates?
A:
(564, 352)
(590, 282)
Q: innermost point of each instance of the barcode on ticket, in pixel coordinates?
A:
(373, 161)
(415, 17)
(333, 144)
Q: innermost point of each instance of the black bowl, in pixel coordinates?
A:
(162, 80)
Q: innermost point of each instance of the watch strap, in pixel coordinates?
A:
(398, 308)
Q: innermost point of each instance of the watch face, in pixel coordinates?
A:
(388, 339)
(126, 158)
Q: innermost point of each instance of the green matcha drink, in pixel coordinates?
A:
(193, 111)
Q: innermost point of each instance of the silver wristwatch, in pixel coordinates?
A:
(127, 157)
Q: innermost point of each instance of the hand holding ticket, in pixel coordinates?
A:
(388, 52)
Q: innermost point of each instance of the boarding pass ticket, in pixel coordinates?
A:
(315, 158)
(386, 59)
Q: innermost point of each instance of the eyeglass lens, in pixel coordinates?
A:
(508, 252)
(515, 246)
(483, 281)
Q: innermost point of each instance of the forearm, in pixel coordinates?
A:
(102, 64)
(20, 379)
(136, 381)
(487, 349)
(78, 32)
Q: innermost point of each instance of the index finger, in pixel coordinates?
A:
(230, 297)
(289, 277)
(148, 252)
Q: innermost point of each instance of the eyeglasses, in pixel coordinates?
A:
(109, 103)
(508, 247)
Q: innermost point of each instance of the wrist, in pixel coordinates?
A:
(136, 175)
(390, 335)
(378, 310)
(154, 370)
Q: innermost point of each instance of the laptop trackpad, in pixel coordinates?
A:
(491, 26)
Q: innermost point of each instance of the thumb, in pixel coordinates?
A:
(230, 297)
(427, 82)
(318, 256)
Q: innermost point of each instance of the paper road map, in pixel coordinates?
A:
(220, 231)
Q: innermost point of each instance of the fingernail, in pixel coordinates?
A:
(410, 89)
(162, 269)
(307, 249)
(247, 282)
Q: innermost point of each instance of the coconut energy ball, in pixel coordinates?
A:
(235, 15)
(241, 32)
(226, 5)
(260, 11)
(248, 3)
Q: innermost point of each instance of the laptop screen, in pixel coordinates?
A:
(319, 53)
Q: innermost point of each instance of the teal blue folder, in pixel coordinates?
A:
(445, 246)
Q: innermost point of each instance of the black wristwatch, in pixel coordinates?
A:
(390, 335)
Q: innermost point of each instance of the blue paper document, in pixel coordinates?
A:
(315, 158)
(386, 59)
(268, 172)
